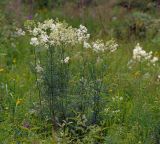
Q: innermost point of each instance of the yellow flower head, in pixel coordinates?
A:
(1, 69)
(157, 54)
(14, 60)
(137, 74)
(18, 102)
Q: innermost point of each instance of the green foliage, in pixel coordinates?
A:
(75, 130)
(126, 110)
(134, 25)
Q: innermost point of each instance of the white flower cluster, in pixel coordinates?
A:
(117, 99)
(20, 32)
(141, 55)
(39, 70)
(111, 111)
(82, 34)
(38, 67)
(158, 78)
(34, 41)
(66, 60)
(55, 33)
(100, 46)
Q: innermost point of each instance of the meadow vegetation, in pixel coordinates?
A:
(79, 72)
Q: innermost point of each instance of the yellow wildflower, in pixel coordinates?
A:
(18, 102)
(157, 54)
(137, 74)
(14, 60)
(1, 69)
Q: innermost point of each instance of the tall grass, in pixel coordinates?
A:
(70, 94)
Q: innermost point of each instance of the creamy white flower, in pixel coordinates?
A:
(137, 51)
(44, 38)
(111, 46)
(141, 55)
(47, 24)
(39, 69)
(66, 60)
(82, 33)
(55, 33)
(158, 78)
(20, 32)
(154, 60)
(36, 31)
(86, 45)
(116, 111)
(98, 46)
(34, 41)
(53, 26)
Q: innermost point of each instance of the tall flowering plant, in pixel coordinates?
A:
(56, 44)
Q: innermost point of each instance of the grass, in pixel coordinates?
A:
(130, 112)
